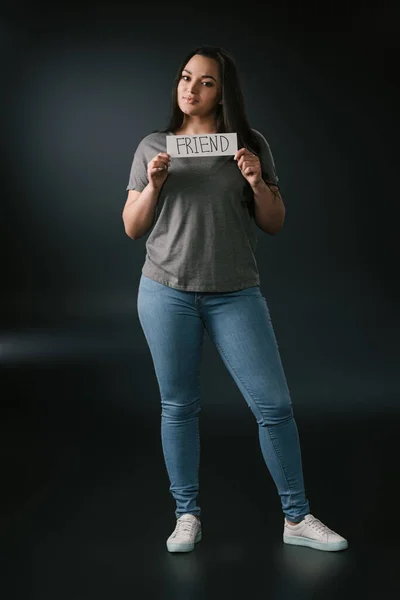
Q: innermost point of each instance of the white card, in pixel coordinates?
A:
(206, 144)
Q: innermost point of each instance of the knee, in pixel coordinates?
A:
(180, 411)
(275, 414)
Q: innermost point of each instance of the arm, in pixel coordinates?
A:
(269, 207)
(139, 209)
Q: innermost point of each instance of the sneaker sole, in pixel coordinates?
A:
(172, 547)
(303, 541)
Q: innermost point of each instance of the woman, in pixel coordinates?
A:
(200, 273)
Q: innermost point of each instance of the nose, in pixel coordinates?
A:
(192, 88)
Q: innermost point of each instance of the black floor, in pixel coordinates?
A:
(86, 511)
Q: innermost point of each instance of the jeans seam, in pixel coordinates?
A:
(267, 426)
(280, 462)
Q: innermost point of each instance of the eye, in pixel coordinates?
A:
(207, 83)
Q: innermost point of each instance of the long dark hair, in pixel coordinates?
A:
(231, 114)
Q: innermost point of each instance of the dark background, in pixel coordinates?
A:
(85, 503)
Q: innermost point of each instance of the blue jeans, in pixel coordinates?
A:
(239, 324)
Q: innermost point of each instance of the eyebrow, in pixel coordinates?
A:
(210, 76)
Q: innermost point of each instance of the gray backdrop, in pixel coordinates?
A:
(82, 86)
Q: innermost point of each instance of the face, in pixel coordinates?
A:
(199, 88)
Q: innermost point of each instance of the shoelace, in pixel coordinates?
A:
(319, 526)
(184, 525)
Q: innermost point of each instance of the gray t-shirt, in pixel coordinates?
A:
(203, 237)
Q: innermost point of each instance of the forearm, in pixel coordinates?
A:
(139, 215)
(269, 208)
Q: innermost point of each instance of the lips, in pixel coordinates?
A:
(190, 100)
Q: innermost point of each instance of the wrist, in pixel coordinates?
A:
(259, 185)
(154, 189)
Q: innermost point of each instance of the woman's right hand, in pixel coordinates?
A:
(157, 169)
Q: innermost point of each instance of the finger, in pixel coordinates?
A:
(160, 159)
(159, 163)
(164, 155)
(244, 164)
(239, 153)
(155, 170)
(250, 163)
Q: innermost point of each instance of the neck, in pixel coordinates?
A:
(197, 127)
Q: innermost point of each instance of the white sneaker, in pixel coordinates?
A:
(311, 532)
(185, 535)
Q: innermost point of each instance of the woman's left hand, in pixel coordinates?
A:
(249, 165)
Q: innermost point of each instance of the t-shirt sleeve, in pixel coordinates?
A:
(269, 173)
(138, 175)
